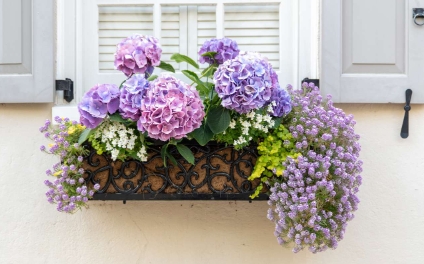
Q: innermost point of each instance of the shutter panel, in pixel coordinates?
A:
(117, 23)
(202, 27)
(255, 28)
(173, 33)
(368, 58)
(26, 51)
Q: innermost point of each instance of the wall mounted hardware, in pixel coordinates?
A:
(67, 86)
(404, 133)
(418, 13)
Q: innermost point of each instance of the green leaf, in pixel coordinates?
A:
(209, 71)
(183, 58)
(203, 134)
(117, 118)
(277, 122)
(173, 160)
(152, 78)
(192, 76)
(186, 153)
(163, 153)
(165, 66)
(210, 54)
(201, 87)
(218, 119)
(84, 135)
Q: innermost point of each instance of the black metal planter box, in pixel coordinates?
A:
(220, 173)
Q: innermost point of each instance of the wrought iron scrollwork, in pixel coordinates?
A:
(219, 172)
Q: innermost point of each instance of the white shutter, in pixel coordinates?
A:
(173, 33)
(26, 51)
(371, 51)
(255, 27)
(202, 27)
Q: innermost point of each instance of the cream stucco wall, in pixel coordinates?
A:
(388, 228)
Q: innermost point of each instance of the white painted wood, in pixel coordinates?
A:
(288, 37)
(11, 32)
(255, 21)
(220, 19)
(370, 56)
(28, 77)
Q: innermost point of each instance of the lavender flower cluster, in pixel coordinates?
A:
(316, 196)
(225, 48)
(170, 109)
(97, 102)
(131, 96)
(246, 83)
(68, 190)
(137, 54)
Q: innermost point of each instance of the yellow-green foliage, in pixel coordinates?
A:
(273, 151)
(97, 145)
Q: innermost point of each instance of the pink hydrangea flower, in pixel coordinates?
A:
(137, 54)
(170, 109)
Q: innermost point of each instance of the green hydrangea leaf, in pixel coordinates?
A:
(84, 135)
(152, 78)
(183, 58)
(165, 66)
(186, 153)
(203, 134)
(218, 119)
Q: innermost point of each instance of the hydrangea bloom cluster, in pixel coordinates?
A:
(132, 93)
(69, 190)
(316, 195)
(137, 54)
(245, 83)
(170, 109)
(225, 48)
(97, 102)
(280, 102)
(118, 140)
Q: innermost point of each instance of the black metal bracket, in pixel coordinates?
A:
(314, 81)
(67, 86)
(404, 133)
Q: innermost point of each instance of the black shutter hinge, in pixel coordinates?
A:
(314, 81)
(67, 86)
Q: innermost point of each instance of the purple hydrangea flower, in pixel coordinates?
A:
(225, 48)
(137, 54)
(280, 102)
(170, 109)
(246, 82)
(131, 95)
(97, 102)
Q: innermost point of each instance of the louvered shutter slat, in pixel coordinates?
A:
(117, 23)
(255, 28)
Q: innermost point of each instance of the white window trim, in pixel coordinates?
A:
(299, 40)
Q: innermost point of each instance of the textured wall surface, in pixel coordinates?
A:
(388, 228)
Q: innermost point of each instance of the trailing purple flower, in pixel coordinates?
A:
(317, 194)
(132, 93)
(225, 48)
(137, 54)
(245, 83)
(97, 103)
(170, 109)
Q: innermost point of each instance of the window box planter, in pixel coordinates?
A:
(219, 173)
